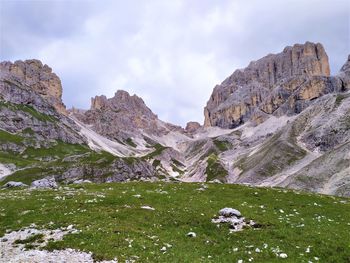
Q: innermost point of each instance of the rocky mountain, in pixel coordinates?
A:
(280, 84)
(123, 116)
(282, 121)
(38, 77)
(38, 139)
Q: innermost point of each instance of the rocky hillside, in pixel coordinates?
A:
(38, 139)
(292, 119)
(282, 121)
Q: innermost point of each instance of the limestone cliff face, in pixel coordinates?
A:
(38, 77)
(277, 84)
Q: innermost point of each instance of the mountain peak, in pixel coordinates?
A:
(282, 83)
(38, 77)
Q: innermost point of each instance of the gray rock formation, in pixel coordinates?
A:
(23, 110)
(234, 219)
(12, 184)
(119, 117)
(48, 182)
(279, 84)
(34, 75)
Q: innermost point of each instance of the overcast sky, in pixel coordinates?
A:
(171, 53)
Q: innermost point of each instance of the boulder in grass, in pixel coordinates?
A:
(12, 184)
(82, 181)
(229, 212)
(191, 234)
(47, 182)
(234, 219)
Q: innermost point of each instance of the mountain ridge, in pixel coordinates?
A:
(265, 125)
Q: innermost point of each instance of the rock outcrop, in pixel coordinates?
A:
(192, 126)
(23, 110)
(278, 84)
(34, 75)
(121, 116)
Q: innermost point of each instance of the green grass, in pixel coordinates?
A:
(214, 169)
(176, 169)
(29, 110)
(60, 150)
(14, 158)
(99, 159)
(291, 221)
(30, 239)
(222, 145)
(340, 97)
(28, 131)
(158, 150)
(178, 163)
(130, 142)
(6, 137)
(156, 163)
(28, 175)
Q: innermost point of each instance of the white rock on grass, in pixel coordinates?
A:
(147, 207)
(228, 212)
(283, 255)
(191, 234)
(234, 218)
(82, 181)
(11, 184)
(47, 182)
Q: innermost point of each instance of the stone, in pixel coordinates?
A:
(82, 181)
(191, 234)
(234, 219)
(283, 255)
(48, 182)
(228, 212)
(12, 184)
(147, 207)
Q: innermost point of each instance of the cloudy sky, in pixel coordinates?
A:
(171, 53)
